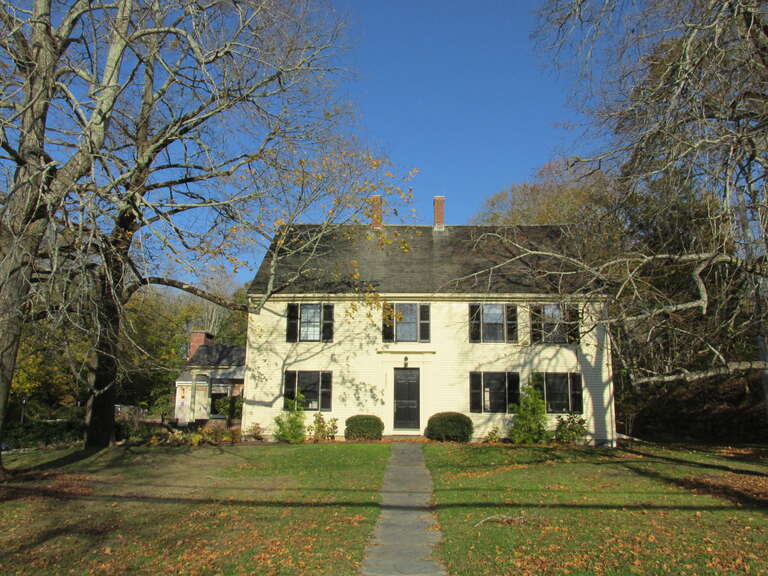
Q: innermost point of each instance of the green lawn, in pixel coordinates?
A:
(270, 509)
(561, 510)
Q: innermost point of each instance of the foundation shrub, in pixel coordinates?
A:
(529, 425)
(450, 427)
(289, 427)
(570, 429)
(320, 430)
(363, 427)
(214, 431)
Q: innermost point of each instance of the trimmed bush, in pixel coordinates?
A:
(450, 427)
(363, 427)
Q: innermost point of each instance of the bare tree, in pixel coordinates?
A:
(674, 314)
(122, 120)
(678, 90)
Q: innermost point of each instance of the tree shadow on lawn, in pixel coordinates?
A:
(103, 459)
(65, 460)
(484, 456)
(737, 487)
(92, 533)
(650, 456)
(23, 491)
(14, 491)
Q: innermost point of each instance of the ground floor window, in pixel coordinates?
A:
(311, 387)
(223, 403)
(561, 391)
(493, 392)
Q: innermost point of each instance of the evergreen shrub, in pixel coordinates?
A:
(450, 427)
(529, 425)
(363, 427)
(289, 425)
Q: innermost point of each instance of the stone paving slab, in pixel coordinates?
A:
(405, 533)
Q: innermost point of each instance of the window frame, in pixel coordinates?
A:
(509, 325)
(324, 389)
(422, 322)
(294, 323)
(510, 378)
(573, 378)
(569, 325)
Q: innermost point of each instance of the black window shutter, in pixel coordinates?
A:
(475, 392)
(474, 323)
(289, 390)
(327, 335)
(388, 322)
(572, 317)
(292, 327)
(325, 390)
(536, 319)
(577, 404)
(513, 388)
(511, 320)
(424, 332)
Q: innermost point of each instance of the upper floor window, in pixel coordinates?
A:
(555, 323)
(493, 392)
(309, 323)
(561, 391)
(492, 323)
(311, 388)
(405, 322)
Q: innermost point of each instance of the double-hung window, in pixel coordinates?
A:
(493, 392)
(492, 323)
(405, 322)
(312, 389)
(555, 323)
(309, 323)
(561, 391)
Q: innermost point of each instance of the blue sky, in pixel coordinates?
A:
(456, 90)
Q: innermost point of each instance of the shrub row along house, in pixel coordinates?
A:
(406, 321)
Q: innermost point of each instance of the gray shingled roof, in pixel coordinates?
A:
(218, 355)
(414, 259)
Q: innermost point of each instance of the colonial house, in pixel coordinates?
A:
(213, 371)
(407, 321)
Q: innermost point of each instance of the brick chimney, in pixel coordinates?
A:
(196, 339)
(439, 202)
(376, 219)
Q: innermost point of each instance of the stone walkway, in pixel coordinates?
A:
(405, 532)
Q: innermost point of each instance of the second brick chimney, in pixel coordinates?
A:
(439, 202)
(196, 339)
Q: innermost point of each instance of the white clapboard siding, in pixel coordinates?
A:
(363, 366)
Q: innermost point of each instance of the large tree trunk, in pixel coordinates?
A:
(14, 288)
(25, 216)
(100, 409)
(762, 344)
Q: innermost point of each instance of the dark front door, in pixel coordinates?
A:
(407, 398)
